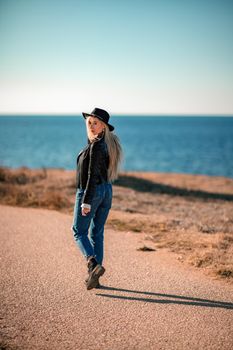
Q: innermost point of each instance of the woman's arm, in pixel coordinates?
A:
(93, 173)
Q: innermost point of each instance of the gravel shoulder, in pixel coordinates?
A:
(149, 300)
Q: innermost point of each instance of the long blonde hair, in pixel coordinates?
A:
(114, 151)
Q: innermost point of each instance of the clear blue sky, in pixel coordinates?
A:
(139, 56)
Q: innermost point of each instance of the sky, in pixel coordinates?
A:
(126, 56)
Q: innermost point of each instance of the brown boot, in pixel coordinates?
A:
(95, 270)
(91, 264)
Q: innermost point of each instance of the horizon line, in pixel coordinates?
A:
(121, 114)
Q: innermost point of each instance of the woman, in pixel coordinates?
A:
(97, 167)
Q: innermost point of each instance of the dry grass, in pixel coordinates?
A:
(212, 251)
(188, 214)
(35, 188)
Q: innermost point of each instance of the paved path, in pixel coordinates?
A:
(149, 299)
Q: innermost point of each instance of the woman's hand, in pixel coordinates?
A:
(86, 208)
(85, 211)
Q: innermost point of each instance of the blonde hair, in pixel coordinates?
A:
(114, 151)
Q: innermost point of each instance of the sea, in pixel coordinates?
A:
(170, 144)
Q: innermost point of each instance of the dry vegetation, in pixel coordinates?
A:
(191, 215)
(42, 188)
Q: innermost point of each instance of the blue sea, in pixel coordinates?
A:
(174, 144)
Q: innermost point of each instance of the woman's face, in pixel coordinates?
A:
(94, 125)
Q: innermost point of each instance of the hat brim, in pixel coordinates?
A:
(85, 115)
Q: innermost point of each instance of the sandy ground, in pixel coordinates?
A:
(149, 300)
(191, 215)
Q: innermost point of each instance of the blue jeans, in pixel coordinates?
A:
(94, 220)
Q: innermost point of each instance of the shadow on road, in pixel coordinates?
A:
(142, 185)
(181, 299)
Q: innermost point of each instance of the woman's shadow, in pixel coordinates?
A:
(178, 299)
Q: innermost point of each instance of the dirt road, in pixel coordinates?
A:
(149, 300)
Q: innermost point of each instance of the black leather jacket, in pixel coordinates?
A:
(92, 168)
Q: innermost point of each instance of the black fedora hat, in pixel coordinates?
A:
(100, 114)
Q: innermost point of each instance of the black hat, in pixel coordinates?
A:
(100, 114)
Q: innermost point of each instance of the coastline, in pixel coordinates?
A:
(189, 215)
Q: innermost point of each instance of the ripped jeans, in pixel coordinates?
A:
(94, 221)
